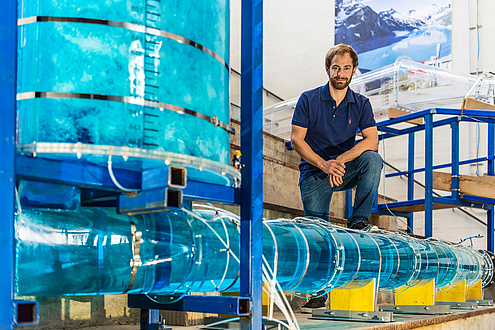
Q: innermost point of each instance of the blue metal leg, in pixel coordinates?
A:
(429, 175)
(8, 40)
(348, 203)
(455, 160)
(150, 319)
(491, 171)
(410, 179)
(252, 151)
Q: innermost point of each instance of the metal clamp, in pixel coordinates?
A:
(136, 259)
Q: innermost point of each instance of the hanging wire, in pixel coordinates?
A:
(112, 176)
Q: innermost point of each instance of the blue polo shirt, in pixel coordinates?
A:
(331, 129)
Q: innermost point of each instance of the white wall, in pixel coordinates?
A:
(296, 37)
(298, 34)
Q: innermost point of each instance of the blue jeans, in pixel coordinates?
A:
(362, 173)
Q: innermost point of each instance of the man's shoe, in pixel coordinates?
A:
(313, 304)
(360, 225)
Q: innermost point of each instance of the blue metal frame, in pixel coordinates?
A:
(410, 179)
(204, 304)
(491, 171)
(252, 150)
(455, 116)
(96, 177)
(8, 40)
(428, 175)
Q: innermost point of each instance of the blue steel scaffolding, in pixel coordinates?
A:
(452, 118)
(248, 305)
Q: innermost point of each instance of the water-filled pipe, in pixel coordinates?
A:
(90, 252)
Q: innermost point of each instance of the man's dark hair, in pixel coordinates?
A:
(341, 49)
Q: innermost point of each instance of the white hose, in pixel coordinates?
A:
(114, 180)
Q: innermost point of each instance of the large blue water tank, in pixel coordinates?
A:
(145, 75)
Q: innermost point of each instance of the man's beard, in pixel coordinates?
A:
(340, 85)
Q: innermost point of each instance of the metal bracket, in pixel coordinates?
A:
(484, 302)
(460, 305)
(415, 309)
(136, 259)
(326, 314)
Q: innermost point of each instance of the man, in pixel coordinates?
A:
(324, 127)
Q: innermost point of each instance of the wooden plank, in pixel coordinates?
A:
(420, 207)
(394, 113)
(482, 186)
(441, 181)
(469, 103)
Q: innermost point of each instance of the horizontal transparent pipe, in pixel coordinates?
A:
(89, 252)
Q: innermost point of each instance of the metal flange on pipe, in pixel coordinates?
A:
(96, 251)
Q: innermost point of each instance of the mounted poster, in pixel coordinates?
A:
(383, 30)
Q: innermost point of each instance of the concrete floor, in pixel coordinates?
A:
(482, 319)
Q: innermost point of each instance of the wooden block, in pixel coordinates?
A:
(469, 103)
(442, 181)
(482, 186)
(357, 296)
(455, 293)
(421, 294)
(394, 113)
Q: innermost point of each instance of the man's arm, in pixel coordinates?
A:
(332, 167)
(369, 142)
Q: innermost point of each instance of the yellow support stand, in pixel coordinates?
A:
(421, 294)
(456, 293)
(357, 296)
(475, 291)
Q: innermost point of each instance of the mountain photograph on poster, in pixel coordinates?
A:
(383, 30)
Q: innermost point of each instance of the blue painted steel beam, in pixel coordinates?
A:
(429, 175)
(196, 190)
(390, 130)
(484, 115)
(8, 40)
(252, 151)
(74, 173)
(383, 210)
(401, 204)
(385, 136)
(410, 178)
(151, 319)
(155, 200)
(203, 304)
(454, 127)
(348, 203)
(418, 128)
(491, 171)
(155, 178)
(403, 118)
(466, 112)
(94, 176)
(481, 202)
(464, 162)
(464, 200)
(476, 203)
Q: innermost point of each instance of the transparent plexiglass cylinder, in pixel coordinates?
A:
(128, 73)
(90, 252)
